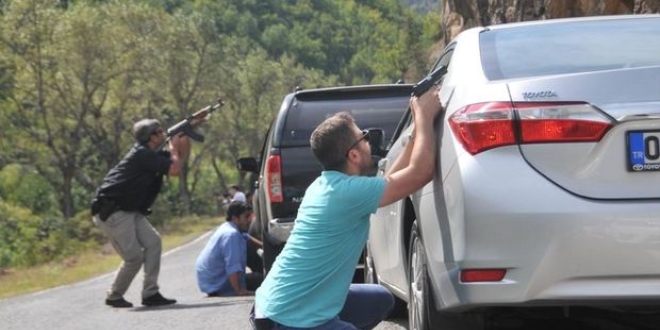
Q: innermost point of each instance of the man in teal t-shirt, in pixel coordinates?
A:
(309, 285)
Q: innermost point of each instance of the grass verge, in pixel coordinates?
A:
(87, 264)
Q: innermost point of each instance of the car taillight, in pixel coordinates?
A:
(484, 126)
(274, 179)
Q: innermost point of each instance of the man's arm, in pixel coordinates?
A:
(234, 282)
(254, 240)
(404, 157)
(415, 166)
(179, 152)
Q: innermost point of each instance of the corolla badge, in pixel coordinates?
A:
(539, 95)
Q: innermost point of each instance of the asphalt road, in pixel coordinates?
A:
(80, 306)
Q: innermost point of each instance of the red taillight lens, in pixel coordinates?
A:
(274, 178)
(484, 126)
(561, 122)
(482, 275)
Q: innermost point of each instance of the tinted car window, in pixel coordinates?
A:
(381, 112)
(570, 48)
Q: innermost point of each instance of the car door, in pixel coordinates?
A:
(388, 236)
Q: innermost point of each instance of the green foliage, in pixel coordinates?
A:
(27, 239)
(75, 76)
(330, 34)
(27, 189)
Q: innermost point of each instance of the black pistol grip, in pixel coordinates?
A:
(420, 88)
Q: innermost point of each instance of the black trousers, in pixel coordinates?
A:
(254, 261)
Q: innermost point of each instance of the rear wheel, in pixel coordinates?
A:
(422, 313)
(418, 291)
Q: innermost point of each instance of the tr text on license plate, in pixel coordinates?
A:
(643, 151)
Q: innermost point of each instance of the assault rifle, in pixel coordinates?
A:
(185, 126)
(432, 79)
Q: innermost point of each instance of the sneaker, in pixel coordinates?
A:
(157, 300)
(118, 303)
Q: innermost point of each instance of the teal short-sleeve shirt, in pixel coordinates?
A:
(308, 283)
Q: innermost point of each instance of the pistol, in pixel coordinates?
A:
(431, 79)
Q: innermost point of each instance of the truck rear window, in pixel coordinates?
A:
(305, 115)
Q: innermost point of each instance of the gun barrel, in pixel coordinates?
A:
(209, 108)
(431, 79)
(185, 127)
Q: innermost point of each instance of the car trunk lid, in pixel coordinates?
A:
(621, 164)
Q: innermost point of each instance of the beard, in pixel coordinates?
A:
(365, 165)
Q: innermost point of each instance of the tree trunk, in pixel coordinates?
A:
(67, 205)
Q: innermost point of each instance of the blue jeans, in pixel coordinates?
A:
(365, 307)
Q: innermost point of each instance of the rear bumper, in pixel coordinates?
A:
(558, 249)
(588, 261)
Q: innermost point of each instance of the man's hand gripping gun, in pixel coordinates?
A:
(431, 80)
(185, 127)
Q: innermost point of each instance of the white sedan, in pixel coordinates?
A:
(547, 190)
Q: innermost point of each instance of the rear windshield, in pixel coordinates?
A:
(570, 48)
(381, 112)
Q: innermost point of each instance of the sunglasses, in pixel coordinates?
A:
(158, 132)
(365, 137)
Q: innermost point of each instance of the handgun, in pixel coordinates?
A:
(430, 80)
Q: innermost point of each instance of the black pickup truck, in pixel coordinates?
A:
(287, 166)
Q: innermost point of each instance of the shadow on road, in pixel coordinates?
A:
(190, 306)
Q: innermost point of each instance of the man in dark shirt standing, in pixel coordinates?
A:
(123, 201)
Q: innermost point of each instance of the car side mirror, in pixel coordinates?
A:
(376, 141)
(247, 164)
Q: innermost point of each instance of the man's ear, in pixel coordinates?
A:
(353, 155)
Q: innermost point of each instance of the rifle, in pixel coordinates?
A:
(185, 126)
(432, 79)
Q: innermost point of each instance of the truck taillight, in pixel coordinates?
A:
(484, 126)
(274, 179)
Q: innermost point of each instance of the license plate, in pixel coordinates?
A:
(643, 151)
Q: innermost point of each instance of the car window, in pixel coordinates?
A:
(302, 119)
(570, 48)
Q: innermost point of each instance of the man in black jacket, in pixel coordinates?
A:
(123, 201)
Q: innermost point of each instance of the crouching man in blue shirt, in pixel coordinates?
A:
(221, 265)
(309, 285)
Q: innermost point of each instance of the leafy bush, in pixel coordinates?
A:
(24, 187)
(27, 239)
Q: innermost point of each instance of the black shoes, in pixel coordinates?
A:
(154, 300)
(157, 300)
(118, 303)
